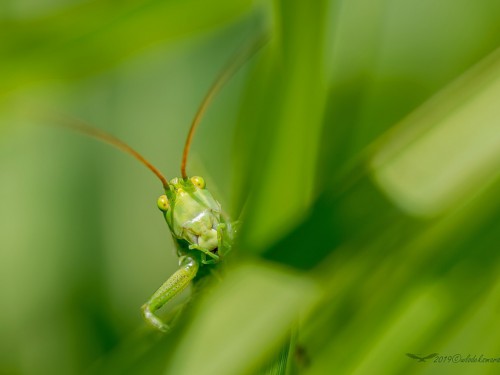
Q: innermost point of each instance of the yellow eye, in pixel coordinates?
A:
(198, 181)
(163, 203)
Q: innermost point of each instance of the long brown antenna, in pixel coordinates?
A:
(82, 127)
(231, 68)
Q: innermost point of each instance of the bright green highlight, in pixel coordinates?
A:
(449, 149)
(233, 307)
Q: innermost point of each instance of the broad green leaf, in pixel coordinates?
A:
(449, 149)
(418, 295)
(281, 125)
(242, 320)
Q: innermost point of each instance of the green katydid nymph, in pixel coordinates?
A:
(202, 233)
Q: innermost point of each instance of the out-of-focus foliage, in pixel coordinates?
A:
(360, 148)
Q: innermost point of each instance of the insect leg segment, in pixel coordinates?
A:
(223, 235)
(215, 258)
(195, 245)
(173, 286)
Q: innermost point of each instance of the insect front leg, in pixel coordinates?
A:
(173, 286)
(215, 258)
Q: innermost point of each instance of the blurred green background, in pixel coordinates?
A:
(360, 148)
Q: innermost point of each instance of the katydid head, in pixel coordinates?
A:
(178, 186)
(191, 212)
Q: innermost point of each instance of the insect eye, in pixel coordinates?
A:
(163, 203)
(198, 181)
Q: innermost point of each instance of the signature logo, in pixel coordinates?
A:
(421, 359)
